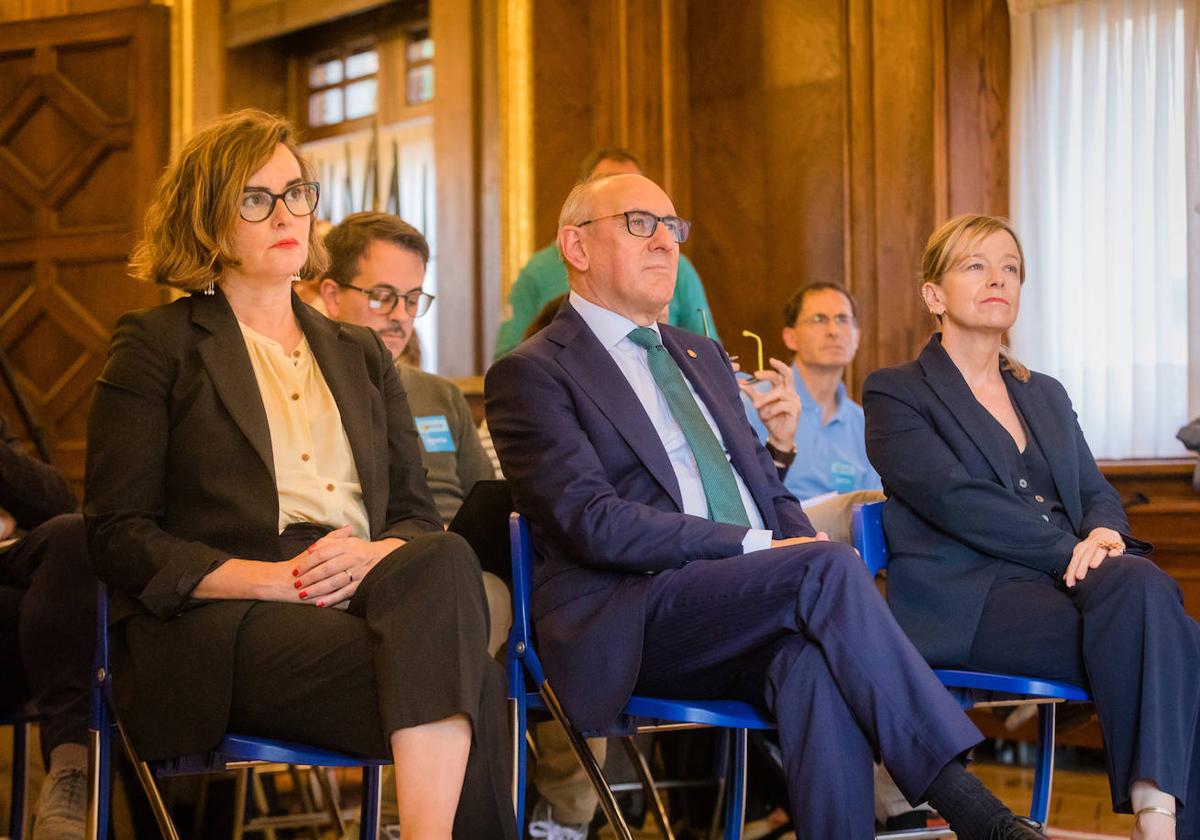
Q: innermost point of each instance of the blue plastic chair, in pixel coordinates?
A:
(529, 690)
(234, 751)
(21, 722)
(973, 688)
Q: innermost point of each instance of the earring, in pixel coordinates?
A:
(209, 290)
(295, 278)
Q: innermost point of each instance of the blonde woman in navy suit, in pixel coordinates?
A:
(1010, 550)
(257, 505)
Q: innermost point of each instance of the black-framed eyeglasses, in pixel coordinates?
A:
(384, 299)
(822, 320)
(300, 199)
(643, 223)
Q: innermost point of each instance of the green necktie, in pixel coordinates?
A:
(720, 486)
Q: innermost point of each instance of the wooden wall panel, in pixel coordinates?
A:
(978, 68)
(14, 10)
(562, 107)
(902, 177)
(768, 144)
(832, 137)
(83, 137)
(607, 72)
(457, 138)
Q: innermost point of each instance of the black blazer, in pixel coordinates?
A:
(953, 515)
(587, 467)
(180, 477)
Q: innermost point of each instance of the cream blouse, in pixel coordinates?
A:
(314, 466)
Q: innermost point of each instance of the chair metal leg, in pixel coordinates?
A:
(721, 773)
(368, 819)
(736, 807)
(652, 796)
(20, 779)
(584, 753)
(166, 825)
(516, 723)
(99, 778)
(1043, 771)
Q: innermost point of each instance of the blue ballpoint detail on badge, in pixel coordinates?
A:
(435, 433)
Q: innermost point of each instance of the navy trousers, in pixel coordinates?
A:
(1122, 632)
(803, 632)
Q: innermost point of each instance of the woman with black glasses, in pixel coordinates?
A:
(256, 503)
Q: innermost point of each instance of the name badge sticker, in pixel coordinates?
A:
(842, 475)
(435, 433)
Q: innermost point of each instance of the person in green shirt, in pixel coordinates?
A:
(544, 277)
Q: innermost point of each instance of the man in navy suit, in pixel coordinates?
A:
(671, 560)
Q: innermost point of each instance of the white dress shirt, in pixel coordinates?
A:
(613, 332)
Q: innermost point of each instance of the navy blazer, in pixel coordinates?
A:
(181, 477)
(953, 515)
(590, 472)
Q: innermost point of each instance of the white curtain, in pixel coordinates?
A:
(388, 169)
(1106, 197)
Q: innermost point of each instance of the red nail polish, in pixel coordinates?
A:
(320, 603)
(303, 594)
(295, 572)
(297, 584)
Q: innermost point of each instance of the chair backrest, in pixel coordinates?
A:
(520, 640)
(869, 538)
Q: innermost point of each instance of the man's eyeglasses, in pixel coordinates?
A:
(643, 223)
(821, 320)
(258, 204)
(385, 299)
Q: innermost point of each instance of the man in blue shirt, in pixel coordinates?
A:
(830, 454)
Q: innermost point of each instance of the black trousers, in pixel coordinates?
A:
(411, 649)
(1122, 632)
(48, 610)
(803, 631)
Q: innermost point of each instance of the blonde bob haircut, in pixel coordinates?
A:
(950, 243)
(188, 237)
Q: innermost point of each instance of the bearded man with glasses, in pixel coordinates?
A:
(375, 279)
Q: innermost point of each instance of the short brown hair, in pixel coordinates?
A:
(617, 153)
(950, 242)
(188, 236)
(795, 304)
(349, 240)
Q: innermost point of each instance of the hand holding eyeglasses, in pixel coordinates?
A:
(778, 407)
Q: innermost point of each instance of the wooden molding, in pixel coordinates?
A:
(515, 54)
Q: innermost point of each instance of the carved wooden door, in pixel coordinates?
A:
(84, 132)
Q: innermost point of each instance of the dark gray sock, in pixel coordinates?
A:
(972, 810)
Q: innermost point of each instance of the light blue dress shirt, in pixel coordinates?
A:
(830, 457)
(613, 332)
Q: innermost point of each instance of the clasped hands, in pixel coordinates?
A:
(329, 571)
(1090, 552)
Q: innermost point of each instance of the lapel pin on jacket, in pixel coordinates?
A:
(691, 352)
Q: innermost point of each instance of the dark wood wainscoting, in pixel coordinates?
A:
(1164, 509)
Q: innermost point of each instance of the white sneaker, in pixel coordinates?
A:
(543, 827)
(62, 805)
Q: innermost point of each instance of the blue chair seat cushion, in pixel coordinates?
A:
(250, 748)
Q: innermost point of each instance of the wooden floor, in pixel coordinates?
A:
(1080, 802)
(1080, 806)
